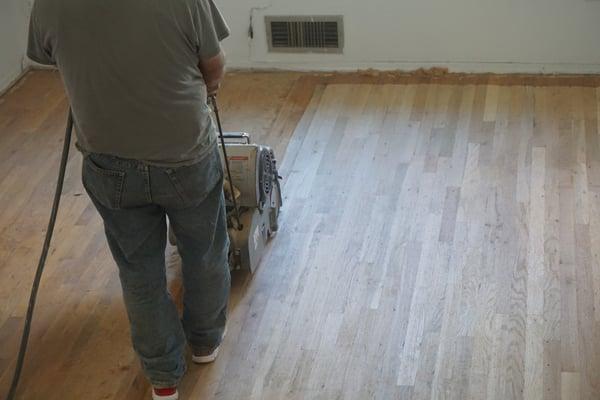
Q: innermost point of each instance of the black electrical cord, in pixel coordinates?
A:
(42, 262)
(239, 226)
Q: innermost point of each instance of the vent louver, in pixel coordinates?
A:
(322, 34)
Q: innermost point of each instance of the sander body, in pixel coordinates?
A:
(257, 191)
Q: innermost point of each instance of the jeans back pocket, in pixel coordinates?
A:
(193, 183)
(104, 185)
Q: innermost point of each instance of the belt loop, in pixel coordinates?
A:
(147, 184)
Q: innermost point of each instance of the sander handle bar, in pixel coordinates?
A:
(239, 227)
(240, 136)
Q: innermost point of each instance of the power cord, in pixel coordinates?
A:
(42, 262)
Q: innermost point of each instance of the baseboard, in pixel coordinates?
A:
(14, 81)
(42, 67)
(457, 67)
(469, 68)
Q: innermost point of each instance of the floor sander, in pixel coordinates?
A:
(253, 195)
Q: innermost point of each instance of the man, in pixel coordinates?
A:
(137, 74)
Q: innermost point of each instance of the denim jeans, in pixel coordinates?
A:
(134, 200)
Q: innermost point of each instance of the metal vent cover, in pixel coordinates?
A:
(303, 34)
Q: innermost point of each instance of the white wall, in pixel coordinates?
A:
(464, 35)
(14, 18)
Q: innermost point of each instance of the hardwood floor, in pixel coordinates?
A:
(438, 241)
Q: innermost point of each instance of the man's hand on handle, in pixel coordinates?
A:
(213, 71)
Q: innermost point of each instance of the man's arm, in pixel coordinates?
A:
(213, 71)
(211, 29)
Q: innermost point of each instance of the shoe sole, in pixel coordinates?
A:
(206, 359)
(171, 397)
(212, 356)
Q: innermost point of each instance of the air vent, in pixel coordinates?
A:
(299, 34)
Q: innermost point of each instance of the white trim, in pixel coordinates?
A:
(7, 86)
(466, 67)
(36, 66)
(29, 66)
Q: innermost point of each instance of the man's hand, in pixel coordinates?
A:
(213, 89)
(213, 71)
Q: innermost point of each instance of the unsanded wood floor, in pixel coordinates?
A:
(439, 241)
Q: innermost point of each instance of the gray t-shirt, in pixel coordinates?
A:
(130, 68)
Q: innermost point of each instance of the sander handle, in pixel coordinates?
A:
(241, 136)
(213, 100)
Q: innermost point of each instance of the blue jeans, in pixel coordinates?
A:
(134, 200)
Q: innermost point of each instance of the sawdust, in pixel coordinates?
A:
(421, 72)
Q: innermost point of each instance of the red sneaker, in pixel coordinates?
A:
(165, 394)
